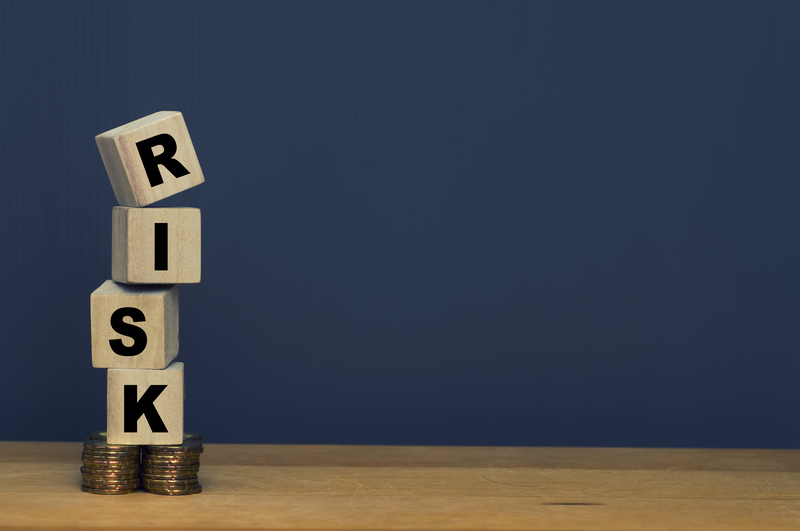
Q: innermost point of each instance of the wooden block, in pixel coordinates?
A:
(156, 245)
(134, 327)
(145, 406)
(150, 158)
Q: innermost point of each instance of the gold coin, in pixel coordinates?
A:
(160, 474)
(132, 484)
(116, 458)
(118, 464)
(166, 465)
(165, 457)
(170, 462)
(182, 456)
(108, 479)
(96, 468)
(111, 455)
(95, 461)
(169, 483)
(103, 445)
(98, 435)
(179, 453)
(121, 458)
(109, 462)
(157, 489)
(175, 492)
(171, 471)
(124, 458)
(188, 446)
(129, 475)
(188, 436)
(159, 484)
(93, 490)
(128, 484)
(168, 477)
(110, 450)
(170, 468)
(186, 455)
(109, 473)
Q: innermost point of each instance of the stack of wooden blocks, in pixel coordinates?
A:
(135, 314)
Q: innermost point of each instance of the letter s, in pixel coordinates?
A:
(134, 332)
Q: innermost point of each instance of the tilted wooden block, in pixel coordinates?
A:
(150, 158)
(134, 327)
(145, 406)
(156, 245)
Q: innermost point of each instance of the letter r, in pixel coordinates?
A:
(151, 162)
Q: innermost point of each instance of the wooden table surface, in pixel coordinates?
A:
(394, 487)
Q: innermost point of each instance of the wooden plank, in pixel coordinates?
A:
(351, 487)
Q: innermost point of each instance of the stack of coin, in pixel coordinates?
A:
(109, 469)
(172, 470)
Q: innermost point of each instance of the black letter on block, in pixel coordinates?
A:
(121, 327)
(133, 409)
(161, 246)
(151, 162)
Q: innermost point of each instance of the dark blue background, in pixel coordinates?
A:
(514, 223)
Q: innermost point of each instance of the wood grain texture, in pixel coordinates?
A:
(124, 164)
(133, 257)
(158, 304)
(363, 487)
(169, 405)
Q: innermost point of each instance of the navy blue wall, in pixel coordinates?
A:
(517, 223)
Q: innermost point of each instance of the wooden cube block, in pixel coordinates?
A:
(145, 406)
(155, 245)
(134, 326)
(150, 158)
